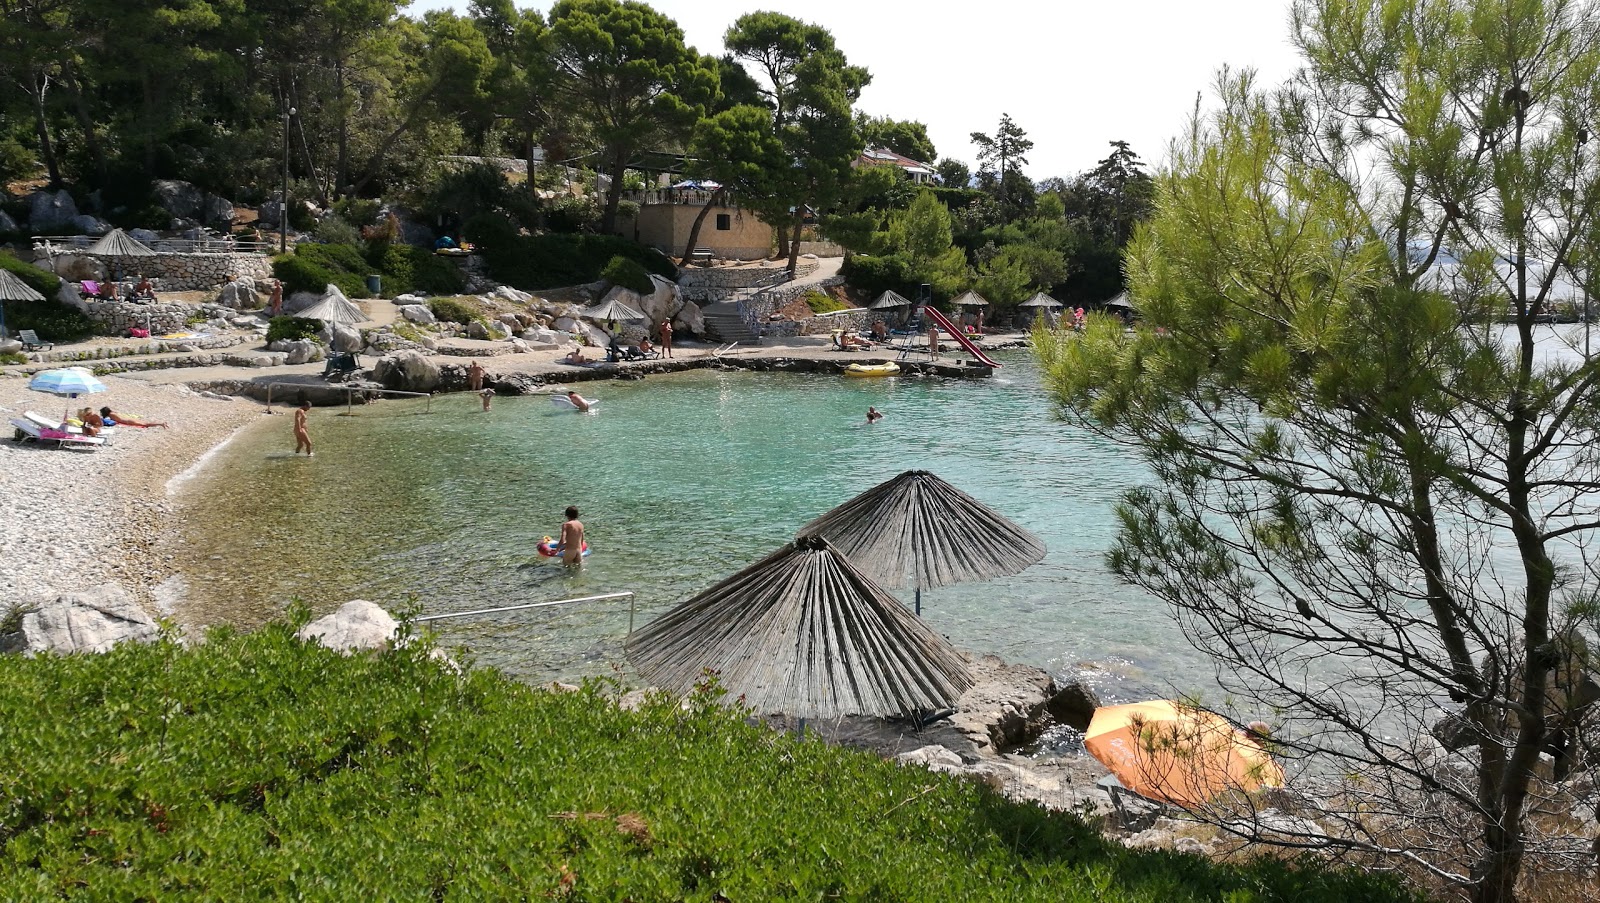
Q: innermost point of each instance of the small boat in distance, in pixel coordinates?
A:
(863, 370)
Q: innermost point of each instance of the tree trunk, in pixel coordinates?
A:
(341, 174)
(608, 220)
(794, 244)
(41, 126)
(782, 234)
(699, 220)
(80, 109)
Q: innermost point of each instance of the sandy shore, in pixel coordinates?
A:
(71, 518)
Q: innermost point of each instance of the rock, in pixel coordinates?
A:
(179, 198)
(255, 359)
(299, 301)
(343, 338)
(513, 295)
(90, 620)
(539, 336)
(418, 313)
(930, 756)
(1454, 732)
(358, 624)
(299, 351)
(498, 330)
(90, 225)
(50, 210)
(269, 213)
(518, 346)
(78, 267)
(143, 236)
(10, 346)
(407, 371)
(238, 296)
(409, 298)
(511, 321)
(1073, 705)
(689, 320)
(476, 330)
(216, 211)
(7, 224)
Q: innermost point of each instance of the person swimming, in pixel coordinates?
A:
(873, 414)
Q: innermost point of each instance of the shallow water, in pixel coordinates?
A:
(682, 480)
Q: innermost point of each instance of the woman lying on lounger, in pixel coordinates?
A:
(123, 420)
(92, 423)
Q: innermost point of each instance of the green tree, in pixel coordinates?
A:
(922, 234)
(954, 173)
(905, 137)
(811, 88)
(1000, 161)
(738, 149)
(1371, 500)
(625, 71)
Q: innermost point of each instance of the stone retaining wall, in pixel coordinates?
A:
(172, 272)
(712, 285)
(154, 346)
(117, 317)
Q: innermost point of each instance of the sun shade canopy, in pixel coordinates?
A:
(804, 633)
(12, 288)
(917, 530)
(118, 243)
(889, 299)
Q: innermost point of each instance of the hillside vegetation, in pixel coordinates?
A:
(259, 766)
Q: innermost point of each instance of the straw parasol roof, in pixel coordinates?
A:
(1040, 299)
(803, 632)
(889, 299)
(334, 307)
(1120, 300)
(118, 243)
(12, 288)
(917, 530)
(612, 310)
(970, 298)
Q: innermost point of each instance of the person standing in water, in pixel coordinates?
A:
(572, 538)
(475, 376)
(301, 438)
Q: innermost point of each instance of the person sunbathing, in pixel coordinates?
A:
(92, 423)
(574, 357)
(848, 341)
(124, 420)
(645, 347)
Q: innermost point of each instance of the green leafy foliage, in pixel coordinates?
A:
(454, 310)
(629, 274)
(41, 281)
(822, 303)
(531, 262)
(406, 269)
(52, 320)
(292, 329)
(165, 771)
(313, 266)
(875, 274)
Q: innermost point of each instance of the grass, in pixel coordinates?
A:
(256, 765)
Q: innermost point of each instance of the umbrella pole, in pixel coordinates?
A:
(919, 601)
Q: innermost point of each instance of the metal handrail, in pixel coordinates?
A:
(164, 245)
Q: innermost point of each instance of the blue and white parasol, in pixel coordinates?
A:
(68, 381)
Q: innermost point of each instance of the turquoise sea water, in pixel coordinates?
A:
(682, 480)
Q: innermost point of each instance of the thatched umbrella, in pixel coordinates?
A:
(970, 298)
(334, 308)
(889, 300)
(12, 288)
(1040, 299)
(612, 310)
(805, 633)
(118, 243)
(917, 530)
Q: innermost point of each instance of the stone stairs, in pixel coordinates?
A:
(725, 324)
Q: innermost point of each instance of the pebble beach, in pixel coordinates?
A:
(71, 518)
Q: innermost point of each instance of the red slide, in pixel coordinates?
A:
(962, 340)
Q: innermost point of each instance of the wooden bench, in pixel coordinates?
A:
(701, 256)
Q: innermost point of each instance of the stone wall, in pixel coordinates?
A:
(172, 272)
(711, 285)
(117, 317)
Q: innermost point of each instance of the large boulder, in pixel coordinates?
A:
(341, 337)
(89, 620)
(418, 313)
(407, 371)
(515, 296)
(689, 320)
(663, 303)
(1074, 705)
(300, 301)
(357, 625)
(90, 225)
(299, 351)
(477, 330)
(7, 224)
(216, 211)
(143, 236)
(51, 210)
(78, 267)
(238, 296)
(179, 198)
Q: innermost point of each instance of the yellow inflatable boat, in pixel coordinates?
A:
(889, 369)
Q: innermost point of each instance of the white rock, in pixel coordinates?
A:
(407, 371)
(518, 346)
(358, 624)
(90, 620)
(930, 756)
(418, 313)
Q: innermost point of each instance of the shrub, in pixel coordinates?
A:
(406, 269)
(292, 328)
(336, 230)
(311, 268)
(52, 320)
(821, 303)
(629, 274)
(41, 281)
(570, 214)
(532, 262)
(454, 310)
(258, 760)
(13, 357)
(876, 275)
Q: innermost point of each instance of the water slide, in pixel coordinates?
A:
(961, 339)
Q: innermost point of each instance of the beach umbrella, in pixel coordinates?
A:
(805, 633)
(889, 299)
(612, 310)
(118, 243)
(970, 298)
(334, 308)
(917, 530)
(68, 381)
(1177, 753)
(12, 288)
(1120, 300)
(1040, 299)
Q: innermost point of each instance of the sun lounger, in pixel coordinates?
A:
(32, 342)
(27, 429)
(50, 423)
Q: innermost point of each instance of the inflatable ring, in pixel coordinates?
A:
(549, 548)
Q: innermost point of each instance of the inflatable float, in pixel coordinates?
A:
(860, 370)
(549, 548)
(563, 403)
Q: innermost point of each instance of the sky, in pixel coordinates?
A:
(1075, 75)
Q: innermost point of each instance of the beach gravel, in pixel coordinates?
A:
(73, 519)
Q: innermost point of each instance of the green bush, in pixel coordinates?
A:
(570, 215)
(532, 262)
(629, 274)
(875, 275)
(407, 269)
(311, 268)
(336, 230)
(172, 771)
(42, 281)
(453, 310)
(13, 357)
(821, 303)
(52, 320)
(292, 328)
